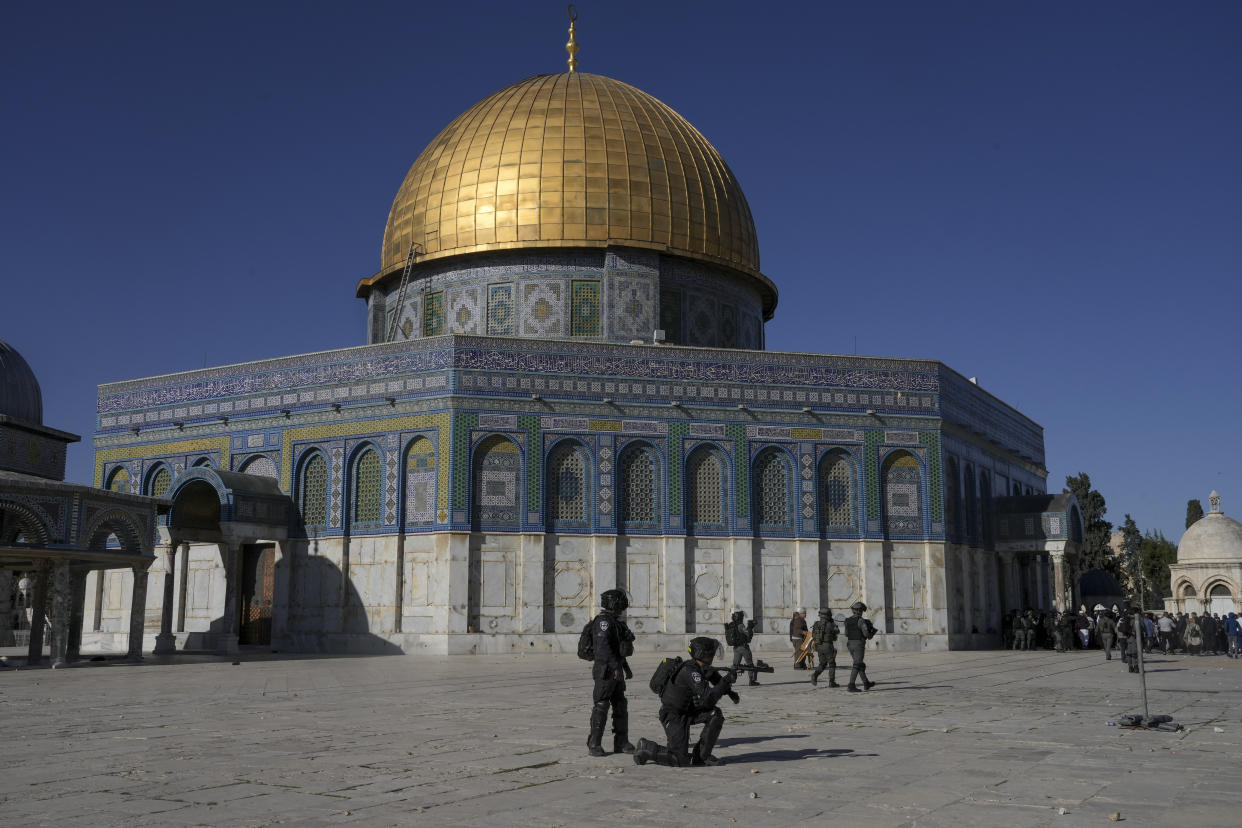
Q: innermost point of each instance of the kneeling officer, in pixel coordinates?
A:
(690, 698)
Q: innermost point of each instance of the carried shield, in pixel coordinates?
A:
(806, 651)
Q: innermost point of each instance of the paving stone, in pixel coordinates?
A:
(953, 739)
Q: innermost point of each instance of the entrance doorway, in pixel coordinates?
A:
(257, 578)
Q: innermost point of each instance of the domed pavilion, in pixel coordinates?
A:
(1208, 574)
(52, 533)
(564, 388)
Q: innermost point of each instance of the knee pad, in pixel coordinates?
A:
(600, 707)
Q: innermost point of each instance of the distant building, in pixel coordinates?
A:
(1208, 574)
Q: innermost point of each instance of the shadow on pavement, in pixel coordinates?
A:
(792, 755)
(753, 739)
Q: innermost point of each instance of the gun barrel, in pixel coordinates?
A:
(755, 668)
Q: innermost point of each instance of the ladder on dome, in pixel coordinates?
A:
(405, 281)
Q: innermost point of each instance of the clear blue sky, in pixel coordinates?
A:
(1045, 195)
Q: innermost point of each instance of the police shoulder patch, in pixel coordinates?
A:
(603, 625)
(696, 675)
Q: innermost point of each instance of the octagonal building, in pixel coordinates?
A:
(564, 389)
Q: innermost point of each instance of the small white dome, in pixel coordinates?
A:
(1214, 537)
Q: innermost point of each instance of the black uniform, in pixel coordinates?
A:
(742, 636)
(690, 698)
(1108, 631)
(857, 631)
(613, 644)
(824, 635)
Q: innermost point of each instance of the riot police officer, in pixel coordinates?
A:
(614, 643)
(741, 635)
(858, 631)
(690, 697)
(824, 635)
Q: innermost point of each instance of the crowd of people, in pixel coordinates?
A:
(1197, 634)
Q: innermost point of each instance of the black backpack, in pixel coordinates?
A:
(586, 642)
(664, 673)
(731, 634)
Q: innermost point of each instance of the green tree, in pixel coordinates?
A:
(1194, 511)
(1158, 553)
(1096, 531)
(1132, 561)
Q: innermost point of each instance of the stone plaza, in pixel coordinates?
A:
(981, 738)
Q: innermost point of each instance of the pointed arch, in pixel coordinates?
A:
(567, 479)
(159, 479)
(118, 480)
(953, 501)
(707, 490)
(420, 482)
(902, 476)
(638, 489)
(366, 486)
(496, 484)
(312, 488)
(20, 521)
(259, 465)
(770, 482)
(203, 463)
(837, 473)
(118, 523)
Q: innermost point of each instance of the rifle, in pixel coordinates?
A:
(758, 667)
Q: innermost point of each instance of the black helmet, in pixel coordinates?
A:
(703, 648)
(738, 615)
(614, 601)
(859, 606)
(825, 612)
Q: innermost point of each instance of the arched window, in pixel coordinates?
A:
(259, 466)
(497, 467)
(771, 492)
(119, 481)
(158, 483)
(970, 529)
(836, 491)
(953, 501)
(706, 489)
(639, 503)
(567, 486)
(903, 496)
(420, 482)
(985, 516)
(1188, 591)
(368, 489)
(313, 491)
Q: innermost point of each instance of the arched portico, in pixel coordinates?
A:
(234, 511)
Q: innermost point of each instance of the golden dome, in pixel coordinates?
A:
(572, 160)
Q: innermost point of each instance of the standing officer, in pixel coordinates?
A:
(613, 644)
(797, 633)
(824, 635)
(741, 637)
(1108, 631)
(858, 631)
(689, 698)
(1020, 631)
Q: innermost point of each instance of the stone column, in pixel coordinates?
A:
(137, 614)
(77, 613)
(226, 639)
(166, 642)
(1058, 580)
(6, 608)
(34, 653)
(59, 612)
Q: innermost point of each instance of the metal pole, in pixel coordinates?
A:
(1138, 638)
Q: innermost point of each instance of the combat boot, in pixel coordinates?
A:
(621, 743)
(599, 718)
(853, 689)
(702, 754)
(815, 678)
